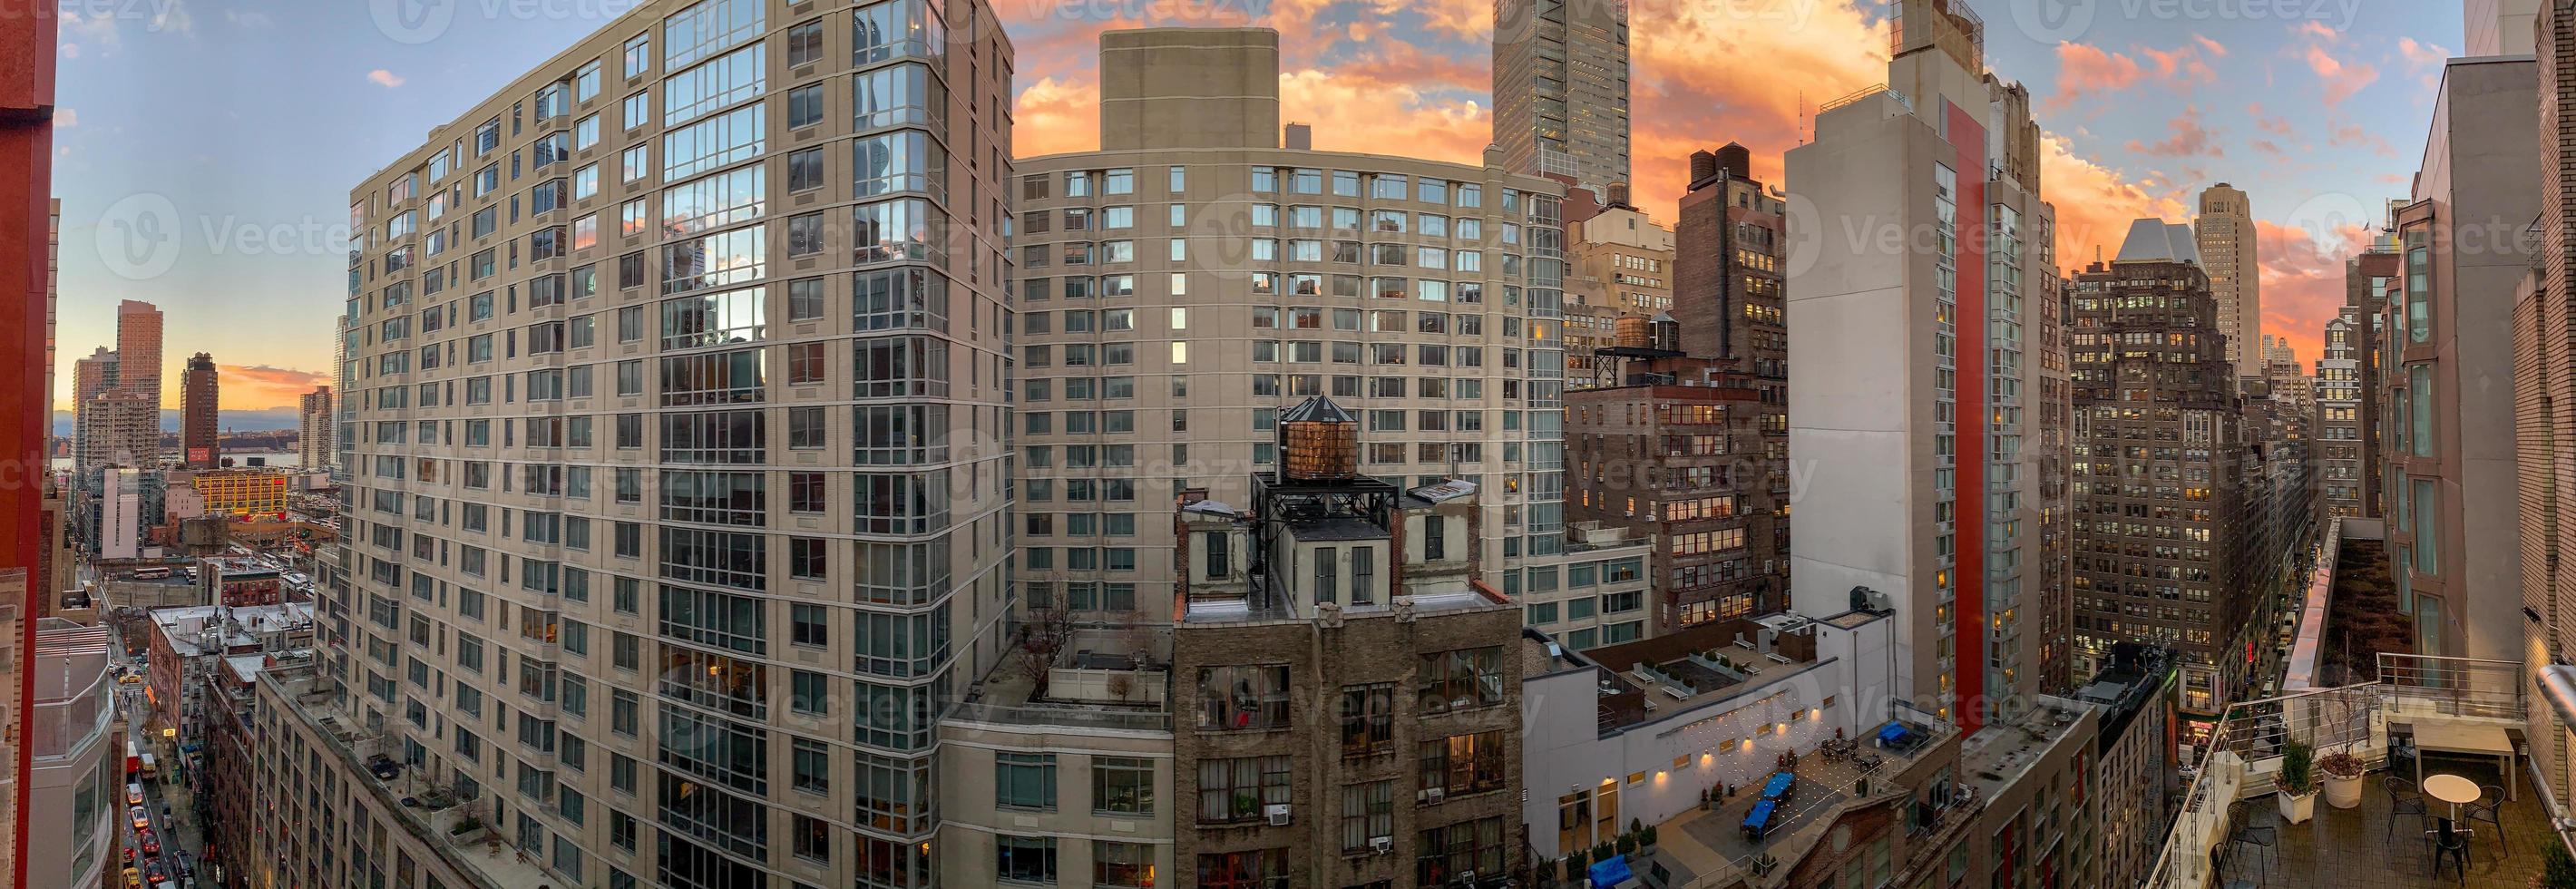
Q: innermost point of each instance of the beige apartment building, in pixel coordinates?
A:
(676, 501)
(2225, 231)
(1620, 265)
(315, 423)
(1181, 287)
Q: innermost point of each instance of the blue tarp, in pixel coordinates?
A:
(1605, 874)
(1779, 785)
(1893, 732)
(1760, 817)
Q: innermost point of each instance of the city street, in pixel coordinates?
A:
(181, 840)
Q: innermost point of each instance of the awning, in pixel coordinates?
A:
(1893, 733)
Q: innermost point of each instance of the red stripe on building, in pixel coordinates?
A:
(1967, 695)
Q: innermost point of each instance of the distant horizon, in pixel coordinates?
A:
(275, 419)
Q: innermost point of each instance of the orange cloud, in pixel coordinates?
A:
(2095, 203)
(1705, 74)
(2188, 139)
(259, 386)
(2270, 123)
(2088, 70)
(2216, 49)
(2303, 279)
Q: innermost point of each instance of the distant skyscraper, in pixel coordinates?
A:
(91, 377)
(1561, 90)
(2149, 365)
(314, 425)
(200, 425)
(1937, 405)
(138, 344)
(2225, 231)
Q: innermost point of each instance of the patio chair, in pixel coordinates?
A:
(2402, 800)
(2490, 801)
(2247, 834)
(2449, 845)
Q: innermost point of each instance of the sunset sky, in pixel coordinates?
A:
(207, 147)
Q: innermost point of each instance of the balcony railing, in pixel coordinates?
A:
(2244, 751)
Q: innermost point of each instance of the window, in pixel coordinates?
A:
(813, 766)
(1368, 719)
(1460, 679)
(1123, 786)
(1244, 698)
(1019, 859)
(805, 234)
(1024, 780)
(808, 558)
(1368, 813)
(1235, 790)
(1459, 764)
(1253, 869)
(804, 43)
(1454, 850)
(805, 106)
(812, 624)
(809, 693)
(1122, 865)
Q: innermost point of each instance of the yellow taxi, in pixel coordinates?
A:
(133, 879)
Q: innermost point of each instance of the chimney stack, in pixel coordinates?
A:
(1301, 137)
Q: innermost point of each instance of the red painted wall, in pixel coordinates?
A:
(1967, 699)
(27, 48)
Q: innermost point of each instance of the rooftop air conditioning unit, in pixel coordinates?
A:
(1432, 795)
(1277, 813)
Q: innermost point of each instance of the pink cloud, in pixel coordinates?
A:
(2341, 79)
(384, 78)
(2303, 279)
(2084, 69)
(2215, 48)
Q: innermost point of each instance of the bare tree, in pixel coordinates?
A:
(1043, 634)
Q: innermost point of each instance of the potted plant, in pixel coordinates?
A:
(2559, 871)
(2342, 769)
(1603, 852)
(1627, 843)
(2297, 781)
(1646, 838)
(2343, 773)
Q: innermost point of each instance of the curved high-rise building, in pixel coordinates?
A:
(675, 486)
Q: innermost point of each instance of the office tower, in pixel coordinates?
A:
(27, 54)
(686, 474)
(90, 376)
(200, 431)
(1561, 90)
(1175, 299)
(2225, 230)
(1620, 265)
(2448, 357)
(2155, 532)
(314, 425)
(138, 344)
(2346, 436)
(1925, 406)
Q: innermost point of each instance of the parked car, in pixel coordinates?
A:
(151, 844)
(134, 794)
(142, 819)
